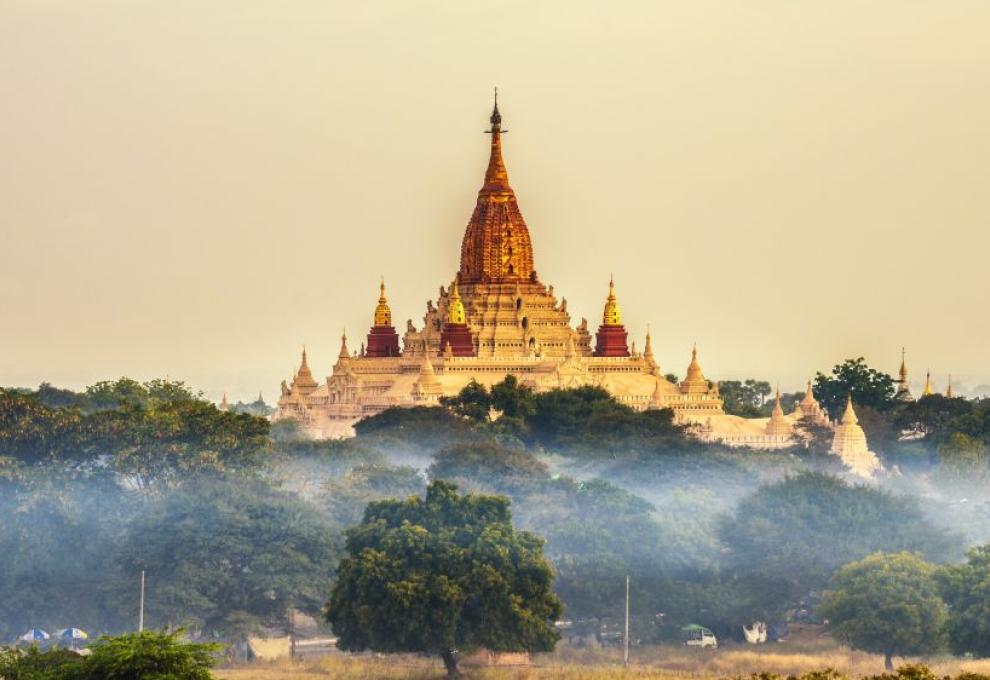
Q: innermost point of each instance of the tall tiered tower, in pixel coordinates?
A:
(496, 246)
(612, 339)
(383, 341)
(903, 387)
(508, 311)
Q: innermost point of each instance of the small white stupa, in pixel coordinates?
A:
(850, 445)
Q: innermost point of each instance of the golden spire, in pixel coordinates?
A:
(383, 315)
(948, 389)
(903, 371)
(223, 403)
(344, 354)
(613, 314)
(455, 308)
(778, 425)
(304, 380)
(928, 385)
(809, 395)
(496, 245)
(656, 399)
(694, 368)
(695, 381)
(648, 348)
(849, 417)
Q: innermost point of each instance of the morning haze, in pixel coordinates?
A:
(196, 189)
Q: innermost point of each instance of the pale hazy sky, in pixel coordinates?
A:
(194, 189)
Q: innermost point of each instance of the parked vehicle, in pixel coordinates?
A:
(699, 636)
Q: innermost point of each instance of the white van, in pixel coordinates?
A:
(699, 636)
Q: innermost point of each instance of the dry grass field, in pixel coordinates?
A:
(647, 663)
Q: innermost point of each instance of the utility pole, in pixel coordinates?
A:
(141, 608)
(625, 653)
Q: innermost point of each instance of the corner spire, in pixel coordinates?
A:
(383, 313)
(849, 417)
(612, 315)
(929, 390)
(344, 354)
(455, 308)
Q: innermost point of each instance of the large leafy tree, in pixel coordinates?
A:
(158, 445)
(443, 574)
(57, 537)
(347, 495)
(803, 528)
(147, 655)
(932, 416)
(887, 604)
(226, 556)
(867, 386)
(966, 590)
(744, 398)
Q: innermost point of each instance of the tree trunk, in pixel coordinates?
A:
(450, 663)
(888, 662)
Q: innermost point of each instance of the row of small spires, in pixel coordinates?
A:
(225, 406)
(903, 387)
(612, 315)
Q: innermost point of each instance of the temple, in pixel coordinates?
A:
(903, 393)
(849, 444)
(497, 317)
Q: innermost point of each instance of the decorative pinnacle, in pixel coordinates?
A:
(496, 118)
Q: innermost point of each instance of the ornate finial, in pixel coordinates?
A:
(948, 388)
(223, 403)
(344, 354)
(928, 384)
(613, 313)
(455, 308)
(383, 314)
(496, 117)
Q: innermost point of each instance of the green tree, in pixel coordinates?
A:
(148, 655)
(228, 556)
(887, 604)
(964, 458)
(975, 424)
(964, 588)
(868, 387)
(495, 467)
(158, 445)
(803, 528)
(347, 495)
(443, 574)
(512, 398)
(31, 432)
(744, 398)
(472, 402)
(932, 416)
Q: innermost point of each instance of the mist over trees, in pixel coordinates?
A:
(236, 521)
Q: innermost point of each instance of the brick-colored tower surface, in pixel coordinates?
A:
(496, 246)
(458, 337)
(383, 341)
(611, 339)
